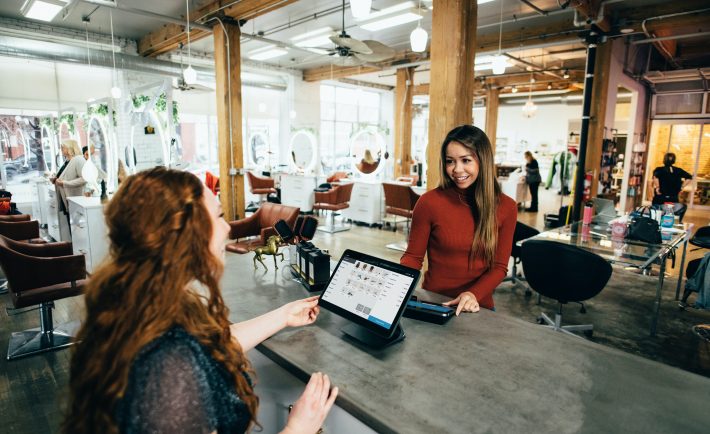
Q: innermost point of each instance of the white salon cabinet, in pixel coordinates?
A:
(88, 229)
(297, 190)
(365, 203)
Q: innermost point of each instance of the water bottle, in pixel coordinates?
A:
(668, 217)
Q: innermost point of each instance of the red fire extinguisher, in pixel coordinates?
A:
(587, 195)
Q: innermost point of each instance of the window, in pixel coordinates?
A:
(344, 111)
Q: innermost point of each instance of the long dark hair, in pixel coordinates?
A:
(669, 161)
(483, 195)
(160, 234)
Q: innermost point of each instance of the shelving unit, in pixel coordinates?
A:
(637, 167)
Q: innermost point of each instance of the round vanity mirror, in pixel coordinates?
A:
(149, 147)
(259, 150)
(303, 150)
(48, 149)
(367, 148)
(98, 144)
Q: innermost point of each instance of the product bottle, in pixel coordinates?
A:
(668, 217)
(587, 216)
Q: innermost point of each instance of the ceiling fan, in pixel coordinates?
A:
(353, 52)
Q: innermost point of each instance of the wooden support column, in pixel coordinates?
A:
(597, 115)
(229, 113)
(403, 121)
(492, 102)
(453, 48)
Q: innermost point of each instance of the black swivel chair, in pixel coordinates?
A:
(564, 273)
(701, 239)
(522, 232)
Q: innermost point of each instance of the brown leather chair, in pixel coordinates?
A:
(259, 225)
(399, 201)
(260, 186)
(39, 274)
(21, 229)
(336, 177)
(335, 199)
(15, 218)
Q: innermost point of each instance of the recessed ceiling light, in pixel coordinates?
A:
(396, 15)
(42, 10)
(268, 52)
(314, 38)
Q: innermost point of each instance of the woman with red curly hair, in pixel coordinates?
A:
(157, 352)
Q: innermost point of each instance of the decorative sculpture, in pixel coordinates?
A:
(271, 248)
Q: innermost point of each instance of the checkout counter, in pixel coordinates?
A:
(483, 372)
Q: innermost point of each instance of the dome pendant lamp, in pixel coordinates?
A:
(419, 37)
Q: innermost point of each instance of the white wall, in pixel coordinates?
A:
(548, 126)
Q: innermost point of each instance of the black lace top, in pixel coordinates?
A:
(175, 386)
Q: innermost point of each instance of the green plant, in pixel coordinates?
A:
(140, 100)
(50, 123)
(69, 119)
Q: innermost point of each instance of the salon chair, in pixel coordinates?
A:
(335, 199)
(37, 275)
(260, 186)
(701, 240)
(564, 273)
(305, 227)
(399, 201)
(20, 229)
(522, 232)
(259, 226)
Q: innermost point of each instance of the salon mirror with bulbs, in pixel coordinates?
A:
(303, 151)
(367, 149)
(48, 149)
(98, 144)
(259, 150)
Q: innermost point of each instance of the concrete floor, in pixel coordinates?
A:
(33, 390)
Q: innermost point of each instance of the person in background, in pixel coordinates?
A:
(465, 225)
(668, 181)
(93, 157)
(532, 179)
(367, 164)
(69, 181)
(156, 352)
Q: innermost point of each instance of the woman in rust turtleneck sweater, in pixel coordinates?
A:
(465, 225)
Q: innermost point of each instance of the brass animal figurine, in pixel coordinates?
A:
(271, 248)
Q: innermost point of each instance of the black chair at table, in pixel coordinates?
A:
(522, 232)
(701, 240)
(564, 273)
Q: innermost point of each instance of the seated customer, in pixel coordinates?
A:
(157, 352)
(465, 225)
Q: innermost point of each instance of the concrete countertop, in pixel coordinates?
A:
(483, 372)
(86, 202)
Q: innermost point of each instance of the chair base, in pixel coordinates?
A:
(568, 329)
(34, 341)
(333, 229)
(400, 246)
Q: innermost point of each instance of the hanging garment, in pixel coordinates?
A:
(563, 165)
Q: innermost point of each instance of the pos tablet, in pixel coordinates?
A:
(372, 293)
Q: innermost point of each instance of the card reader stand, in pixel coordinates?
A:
(372, 339)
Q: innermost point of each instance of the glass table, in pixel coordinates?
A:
(597, 238)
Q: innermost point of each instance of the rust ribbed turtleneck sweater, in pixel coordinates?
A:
(442, 227)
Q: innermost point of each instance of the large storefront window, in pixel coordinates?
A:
(690, 142)
(344, 111)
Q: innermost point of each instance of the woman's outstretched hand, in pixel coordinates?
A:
(301, 312)
(465, 302)
(309, 412)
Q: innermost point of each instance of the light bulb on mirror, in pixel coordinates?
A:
(190, 75)
(418, 39)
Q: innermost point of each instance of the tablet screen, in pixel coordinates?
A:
(369, 291)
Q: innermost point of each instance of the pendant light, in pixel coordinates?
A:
(529, 109)
(115, 90)
(360, 8)
(189, 74)
(499, 61)
(418, 38)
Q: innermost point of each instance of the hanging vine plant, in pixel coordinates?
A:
(140, 100)
(49, 123)
(69, 119)
(161, 107)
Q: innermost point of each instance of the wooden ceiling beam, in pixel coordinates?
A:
(169, 36)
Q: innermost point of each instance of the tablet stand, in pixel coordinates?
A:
(372, 339)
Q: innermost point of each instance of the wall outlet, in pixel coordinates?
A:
(233, 171)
